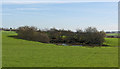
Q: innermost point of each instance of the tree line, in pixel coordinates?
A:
(89, 36)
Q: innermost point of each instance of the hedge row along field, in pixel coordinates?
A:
(90, 36)
(23, 53)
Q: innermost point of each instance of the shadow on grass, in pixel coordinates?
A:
(16, 37)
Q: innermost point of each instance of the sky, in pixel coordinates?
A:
(72, 14)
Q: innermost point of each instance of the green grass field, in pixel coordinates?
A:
(111, 41)
(23, 53)
(113, 34)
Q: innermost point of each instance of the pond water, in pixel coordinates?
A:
(64, 44)
(70, 45)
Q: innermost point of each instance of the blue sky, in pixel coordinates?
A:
(61, 15)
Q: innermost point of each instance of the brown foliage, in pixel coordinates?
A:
(30, 33)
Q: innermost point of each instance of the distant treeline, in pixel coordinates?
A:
(90, 36)
(8, 29)
(113, 32)
(14, 29)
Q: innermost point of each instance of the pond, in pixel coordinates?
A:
(69, 45)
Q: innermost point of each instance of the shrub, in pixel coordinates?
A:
(30, 33)
(26, 32)
(41, 37)
(91, 36)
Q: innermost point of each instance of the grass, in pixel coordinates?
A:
(0, 49)
(112, 34)
(23, 53)
(111, 41)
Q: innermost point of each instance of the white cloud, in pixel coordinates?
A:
(52, 1)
